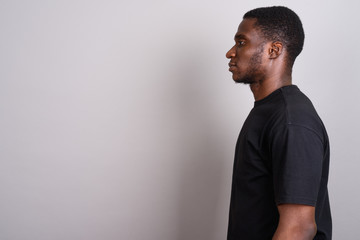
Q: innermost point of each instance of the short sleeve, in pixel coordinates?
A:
(297, 154)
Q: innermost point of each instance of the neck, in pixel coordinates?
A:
(264, 88)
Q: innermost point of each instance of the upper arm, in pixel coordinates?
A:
(296, 222)
(297, 168)
(297, 161)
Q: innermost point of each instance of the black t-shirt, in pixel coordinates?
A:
(281, 156)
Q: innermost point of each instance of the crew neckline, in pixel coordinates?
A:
(273, 94)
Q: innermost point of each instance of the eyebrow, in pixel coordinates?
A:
(237, 36)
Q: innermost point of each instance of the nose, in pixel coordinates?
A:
(231, 53)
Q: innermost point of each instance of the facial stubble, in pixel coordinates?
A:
(253, 74)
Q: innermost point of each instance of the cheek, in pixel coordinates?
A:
(242, 65)
(242, 59)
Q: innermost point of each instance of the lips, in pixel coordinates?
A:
(232, 66)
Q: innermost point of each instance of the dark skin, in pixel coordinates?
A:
(263, 65)
(272, 71)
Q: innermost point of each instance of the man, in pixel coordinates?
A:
(279, 188)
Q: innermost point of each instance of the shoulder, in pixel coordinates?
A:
(299, 110)
(293, 111)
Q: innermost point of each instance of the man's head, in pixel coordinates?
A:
(264, 36)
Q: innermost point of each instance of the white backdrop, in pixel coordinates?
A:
(119, 118)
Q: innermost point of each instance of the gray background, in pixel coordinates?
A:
(119, 118)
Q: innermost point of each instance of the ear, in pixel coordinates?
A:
(275, 50)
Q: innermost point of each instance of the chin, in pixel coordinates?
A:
(236, 78)
(243, 80)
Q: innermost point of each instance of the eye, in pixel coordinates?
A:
(241, 43)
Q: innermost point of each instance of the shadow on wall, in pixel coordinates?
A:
(201, 154)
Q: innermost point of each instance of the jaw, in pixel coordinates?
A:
(247, 79)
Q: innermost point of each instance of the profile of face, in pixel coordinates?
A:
(246, 56)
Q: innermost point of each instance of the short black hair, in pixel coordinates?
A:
(280, 24)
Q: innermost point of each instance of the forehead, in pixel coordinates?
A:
(247, 30)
